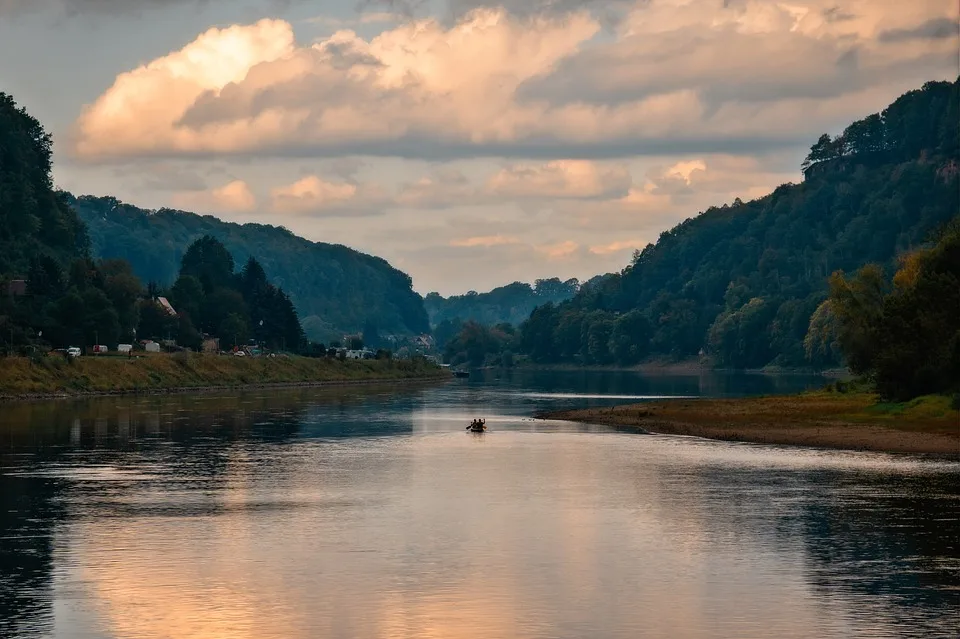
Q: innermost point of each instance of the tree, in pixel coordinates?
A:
(210, 262)
(124, 289)
(234, 330)
(630, 341)
(821, 344)
(825, 148)
(155, 322)
(253, 279)
(875, 194)
(858, 306)
(187, 297)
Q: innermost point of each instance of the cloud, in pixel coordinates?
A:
(99, 8)
(617, 247)
(164, 176)
(934, 29)
(744, 53)
(313, 195)
(678, 77)
(233, 197)
(410, 87)
(444, 188)
(485, 241)
(578, 179)
(378, 17)
(558, 251)
(607, 10)
(556, 180)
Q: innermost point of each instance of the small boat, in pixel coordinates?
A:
(461, 374)
(477, 426)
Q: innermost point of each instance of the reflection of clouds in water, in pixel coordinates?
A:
(520, 537)
(291, 527)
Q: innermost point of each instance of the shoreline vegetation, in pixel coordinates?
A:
(821, 419)
(53, 377)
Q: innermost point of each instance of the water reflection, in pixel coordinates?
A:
(29, 511)
(367, 513)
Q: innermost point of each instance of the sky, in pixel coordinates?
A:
(470, 143)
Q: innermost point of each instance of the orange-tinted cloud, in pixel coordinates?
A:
(484, 241)
(560, 179)
(233, 197)
(313, 195)
(494, 84)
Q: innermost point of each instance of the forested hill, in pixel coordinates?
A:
(334, 288)
(510, 304)
(741, 281)
(35, 221)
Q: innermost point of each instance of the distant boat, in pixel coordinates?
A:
(477, 427)
(461, 374)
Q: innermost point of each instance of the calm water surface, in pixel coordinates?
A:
(370, 513)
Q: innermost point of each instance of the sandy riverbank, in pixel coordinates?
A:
(686, 367)
(824, 419)
(54, 377)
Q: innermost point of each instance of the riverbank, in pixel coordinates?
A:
(53, 377)
(849, 421)
(687, 367)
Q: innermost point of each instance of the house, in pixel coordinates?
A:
(361, 354)
(162, 301)
(424, 341)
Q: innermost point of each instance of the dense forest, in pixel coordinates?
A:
(209, 297)
(504, 306)
(53, 293)
(510, 304)
(740, 283)
(903, 334)
(335, 289)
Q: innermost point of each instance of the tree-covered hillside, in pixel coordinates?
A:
(510, 304)
(741, 282)
(35, 221)
(335, 289)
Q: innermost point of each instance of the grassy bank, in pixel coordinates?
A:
(53, 376)
(854, 421)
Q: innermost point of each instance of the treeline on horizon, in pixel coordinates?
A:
(738, 285)
(71, 299)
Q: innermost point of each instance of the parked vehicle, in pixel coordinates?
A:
(100, 348)
(73, 351)
(124, 348)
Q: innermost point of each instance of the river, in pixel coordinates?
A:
(369, 512)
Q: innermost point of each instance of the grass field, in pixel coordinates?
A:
(55, 375)
(855, 421)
